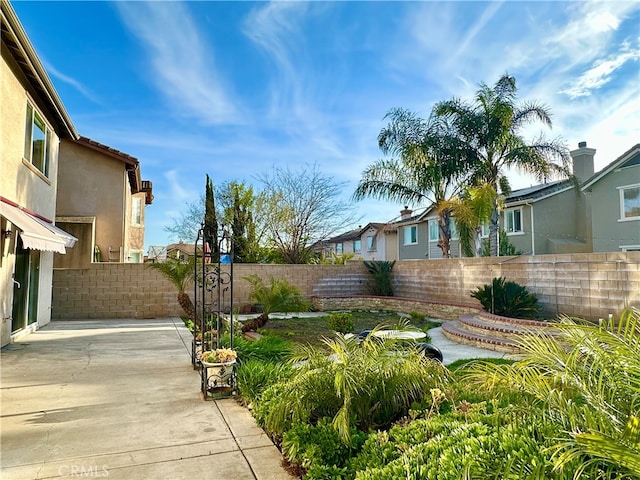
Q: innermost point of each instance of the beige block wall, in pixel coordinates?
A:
(585, 285)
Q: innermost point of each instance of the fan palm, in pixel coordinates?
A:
(588, 377)
(427, 167)
(490, 127)
(179, 273)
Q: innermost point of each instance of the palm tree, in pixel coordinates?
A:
(179, 273)
(428, 166)
(490, 126)
(472, 209)
(277, 296)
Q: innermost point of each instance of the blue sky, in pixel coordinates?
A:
(234, 88)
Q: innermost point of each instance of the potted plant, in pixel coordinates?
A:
(219, 365)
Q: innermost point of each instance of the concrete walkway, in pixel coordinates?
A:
(452, 351)
(119, 399)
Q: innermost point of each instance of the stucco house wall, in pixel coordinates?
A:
(21, 183)
(610, 232)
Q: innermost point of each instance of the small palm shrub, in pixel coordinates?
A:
(507, 298)
(382, 277)
(587, 379)
(341, 322)
(363, 386)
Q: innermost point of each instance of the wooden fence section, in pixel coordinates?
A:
(585, 285)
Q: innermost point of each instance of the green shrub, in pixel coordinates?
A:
(318, 449)
(341, 322)
(254, 376)
(366, 385)
(382, 277)
(507, 298)
(269, 348)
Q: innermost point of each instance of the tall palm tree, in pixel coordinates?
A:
(179, 273)
(427, 166)
(491, 127)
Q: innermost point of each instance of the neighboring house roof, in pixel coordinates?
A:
(537, 192)
(186, 248)
(627, 159)
(17, 41)
(355, 234)
(131, 164)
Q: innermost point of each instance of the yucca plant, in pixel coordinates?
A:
(507, 298)
(588, 378)
(179, 273)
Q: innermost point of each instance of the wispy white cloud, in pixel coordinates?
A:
(73, 82)
(601, 72)
(183, 64)
(175, 185)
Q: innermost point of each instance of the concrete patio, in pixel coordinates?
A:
(119, 399)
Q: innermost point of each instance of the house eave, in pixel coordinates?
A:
(16, 39)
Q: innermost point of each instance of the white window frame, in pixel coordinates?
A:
(339, 248)
(410, 228)
(453, 227)
(622, 211)
(434, 230)
(31, 121)
(630, 248)
(136, 252)
(485, 230)
(136, 211)
(357, 246)
(511, 212)
(371, 243)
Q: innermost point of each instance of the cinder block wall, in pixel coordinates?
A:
(584, 285)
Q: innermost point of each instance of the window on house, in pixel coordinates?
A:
(136, 211)
(485, 229)
(630, 202)
(371, 243)
(357, 246)
(37, 141)
(411, 235)
(339, 248)
(513, 220)
(434, 230)
(454, 229)
(134, 257)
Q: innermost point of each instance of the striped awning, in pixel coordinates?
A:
(36, 233)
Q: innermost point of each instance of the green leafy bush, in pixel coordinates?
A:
(382, 276)
(254, 376)
(341, 322)
(269, 348)
(507, 298)
(319, 450)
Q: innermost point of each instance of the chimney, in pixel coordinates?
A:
(583, 161)
(406, 213)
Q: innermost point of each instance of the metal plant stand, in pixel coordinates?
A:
(213, 304)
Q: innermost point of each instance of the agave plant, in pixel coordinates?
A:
(588, 378)
(179, 273)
